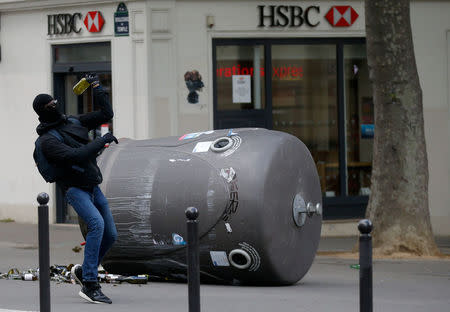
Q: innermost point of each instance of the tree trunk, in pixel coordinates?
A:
(398, 205)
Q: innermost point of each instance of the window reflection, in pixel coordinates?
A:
(241, 61)
(304, 87)
(82, 53)
(359, 120)
(304, 102)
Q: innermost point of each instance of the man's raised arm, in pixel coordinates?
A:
(94, 119)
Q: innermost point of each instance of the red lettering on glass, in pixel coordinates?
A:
(281, 72)
(294, 72)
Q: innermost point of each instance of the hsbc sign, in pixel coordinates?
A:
(341, 16)
(94, 21)
(296, 16)
(64, 24)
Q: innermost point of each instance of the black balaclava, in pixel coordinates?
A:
(46, 115)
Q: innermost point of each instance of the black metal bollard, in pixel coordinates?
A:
(193, 260)
(44, 253)
(365, 266)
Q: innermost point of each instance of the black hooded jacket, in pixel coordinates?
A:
(77, 155)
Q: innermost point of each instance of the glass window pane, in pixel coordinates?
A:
(71, 99)
(359, 119)
(248, 63)
(304, 104)
(83, 53)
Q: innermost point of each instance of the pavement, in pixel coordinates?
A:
(330, 285)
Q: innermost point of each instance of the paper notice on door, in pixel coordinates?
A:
(242, 89)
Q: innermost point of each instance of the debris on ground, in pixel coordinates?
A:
(61, 274)
(76, 249)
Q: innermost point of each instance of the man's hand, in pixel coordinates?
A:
(92, 78)
(110, 138)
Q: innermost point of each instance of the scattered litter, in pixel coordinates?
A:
(29, 277)
(13, 274)
(76, 249)
(61, 274)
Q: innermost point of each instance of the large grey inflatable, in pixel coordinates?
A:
(258, 196)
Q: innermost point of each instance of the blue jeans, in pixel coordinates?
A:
(93, 208)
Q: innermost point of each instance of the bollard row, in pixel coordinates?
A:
(44, 253)
(193, 260)
(365, 266)
(365, 259)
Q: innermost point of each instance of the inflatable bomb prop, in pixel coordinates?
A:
(258, 196)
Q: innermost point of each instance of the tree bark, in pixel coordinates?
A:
(398, 205)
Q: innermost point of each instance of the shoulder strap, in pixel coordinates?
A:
(56, 134)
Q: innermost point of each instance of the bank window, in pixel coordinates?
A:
(359, 119)
(304, 104)
(316, 89)
(240, 77)
(82, 53)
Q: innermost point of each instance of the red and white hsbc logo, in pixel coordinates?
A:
(94, 21)
(66, 23)
(297, 16)
(341, 16)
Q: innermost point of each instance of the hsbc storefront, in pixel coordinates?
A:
(314, 85)
(47, 47)
(301, 67)
(181, 66)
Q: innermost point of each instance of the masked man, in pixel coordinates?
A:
(76, 155)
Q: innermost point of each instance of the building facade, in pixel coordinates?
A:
(176, 67)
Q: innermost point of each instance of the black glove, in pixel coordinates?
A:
(92, 78)
(108, 138)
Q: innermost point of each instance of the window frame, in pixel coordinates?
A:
(342, 206)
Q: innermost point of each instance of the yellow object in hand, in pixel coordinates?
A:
(81, 86)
